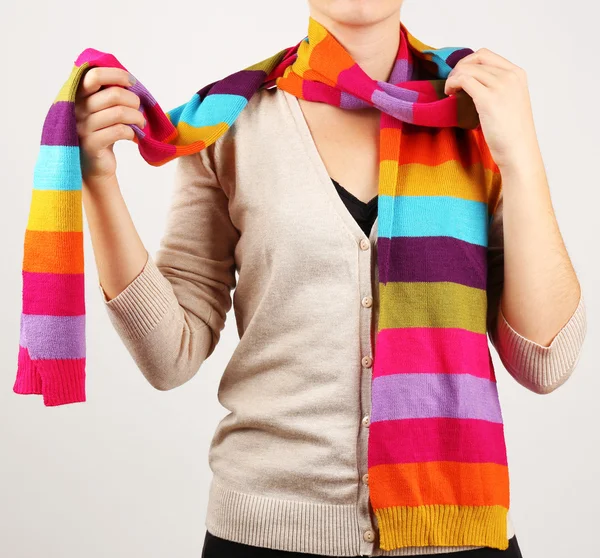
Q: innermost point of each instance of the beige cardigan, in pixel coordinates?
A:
(289, 461)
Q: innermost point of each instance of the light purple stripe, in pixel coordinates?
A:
(146, 98)
(402, 110)
(52, 337)
(409, 396)
(349, 101)
(401, 72)
(399, 92)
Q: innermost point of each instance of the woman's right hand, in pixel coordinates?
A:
(103, 108)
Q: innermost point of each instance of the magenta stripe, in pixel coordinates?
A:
(406, 396)
(40, 293)
(442, 350)
(436, 439)
(53, 337)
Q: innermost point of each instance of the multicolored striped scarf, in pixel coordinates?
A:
(436, 459)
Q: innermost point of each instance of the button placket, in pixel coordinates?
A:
(367, 522)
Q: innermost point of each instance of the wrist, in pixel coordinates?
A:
(524, 163)
(101, 187)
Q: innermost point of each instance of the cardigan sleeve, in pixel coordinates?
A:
(171, 315)
(539, 368)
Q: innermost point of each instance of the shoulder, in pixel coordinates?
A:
(264, 110)
(251, 137)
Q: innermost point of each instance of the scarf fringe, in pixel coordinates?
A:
(442, 525)
(60, 381)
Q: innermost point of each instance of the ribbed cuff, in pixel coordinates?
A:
(63, 381)
(139, 308)
(539, 368)
(59, 381)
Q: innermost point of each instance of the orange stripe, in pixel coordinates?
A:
(328, 54)
(439, 482)
(389, 144)
(291, 82)
(434, 146)
(53, 252)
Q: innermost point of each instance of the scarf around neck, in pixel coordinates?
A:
(437, 464)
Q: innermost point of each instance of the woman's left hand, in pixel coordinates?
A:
(500, 92)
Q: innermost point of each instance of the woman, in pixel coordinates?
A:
(294, 215)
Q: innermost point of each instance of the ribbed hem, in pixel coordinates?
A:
(28, 380)
(296, 526)
(60, 381)
(439, 525)
(539, 368)
(140, 307)
(288, 525)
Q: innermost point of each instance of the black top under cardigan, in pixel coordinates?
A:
(364, 213)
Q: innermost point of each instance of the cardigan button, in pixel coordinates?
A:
(369, 536)
(365, 478)
(366, 420)
(367, 361)
(367, 301)
(364, 244)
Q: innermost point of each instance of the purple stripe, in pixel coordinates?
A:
(432, 258)
(349, 101)
(457, 55)
(413, 396)
(52, 337)
(401, 71)
(401, 93)
(244, 83)
(402, 110)
(60, 126)
(146, 99)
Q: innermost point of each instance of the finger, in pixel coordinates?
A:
(105, 98)
(96, 78)
(486, 75)
(471, 85)
(494, 70)
(486, 56)
(108, 117)
(106, 137)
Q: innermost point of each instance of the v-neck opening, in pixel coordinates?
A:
(323, 174)
(363, 204)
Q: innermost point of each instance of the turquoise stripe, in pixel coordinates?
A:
(213, 110)
(433, 216)
(57, 168)
(440, 55)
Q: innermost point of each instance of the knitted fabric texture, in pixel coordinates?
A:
(437, 459)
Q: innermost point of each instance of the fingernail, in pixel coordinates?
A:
(132, 80)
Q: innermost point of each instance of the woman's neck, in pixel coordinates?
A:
(374, 46)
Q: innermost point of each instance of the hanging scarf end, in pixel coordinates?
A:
(59, 381)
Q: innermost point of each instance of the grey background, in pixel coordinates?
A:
(126, 473)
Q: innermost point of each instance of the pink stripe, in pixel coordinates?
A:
(321, 92)
(53, 294)
(436, 439)
(432, 350)
(154, 152)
